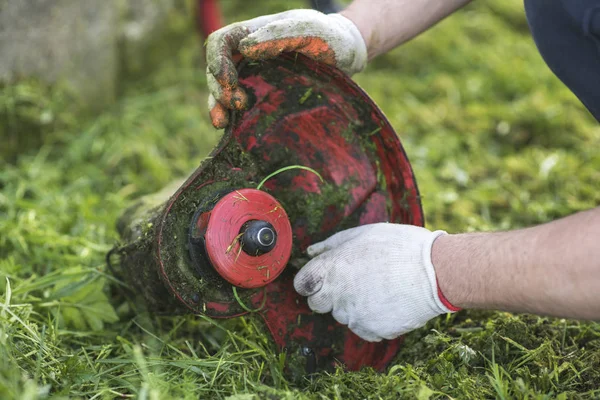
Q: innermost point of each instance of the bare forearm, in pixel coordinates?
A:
(552, 269)
(385, 24)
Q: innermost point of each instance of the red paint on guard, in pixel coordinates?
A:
(223, 232)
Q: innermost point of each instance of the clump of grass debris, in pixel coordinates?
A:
(496, 142)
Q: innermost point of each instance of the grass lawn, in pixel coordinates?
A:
(496, 142)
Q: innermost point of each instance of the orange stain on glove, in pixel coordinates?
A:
(236, 98)
(219, 116)
(227, 75)
(313, 47)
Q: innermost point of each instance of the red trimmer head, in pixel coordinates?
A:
(219, 246)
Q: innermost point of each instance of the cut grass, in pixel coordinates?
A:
(495, 140)
(288, 168)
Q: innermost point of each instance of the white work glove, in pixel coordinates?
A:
(378, 279)
(331, 38)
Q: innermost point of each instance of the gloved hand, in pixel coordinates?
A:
(332, 39)
(378, 279)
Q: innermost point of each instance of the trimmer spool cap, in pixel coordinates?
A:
(228, 229)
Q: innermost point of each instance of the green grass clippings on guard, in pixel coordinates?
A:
(495, 140)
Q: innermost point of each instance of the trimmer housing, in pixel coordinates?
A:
(187, 249)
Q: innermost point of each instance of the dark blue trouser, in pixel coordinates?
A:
(567, 34)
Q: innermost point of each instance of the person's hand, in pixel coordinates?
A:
(332, 39)
(378, 279)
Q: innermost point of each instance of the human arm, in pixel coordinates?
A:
(386, 24)
(346, 40)
(551, 269)
(384, 280)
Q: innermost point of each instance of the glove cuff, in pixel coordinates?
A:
(360, 57)
(451, 308)
(442, 302)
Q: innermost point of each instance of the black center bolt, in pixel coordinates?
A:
(259, 237)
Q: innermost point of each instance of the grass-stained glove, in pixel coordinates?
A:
(332, 39)
(378, 279)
